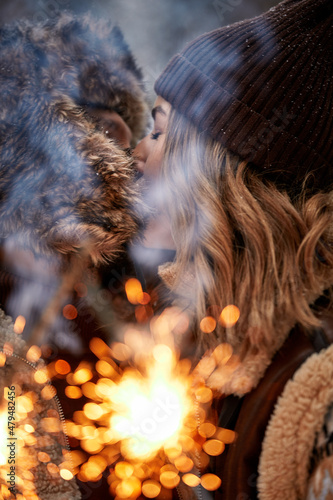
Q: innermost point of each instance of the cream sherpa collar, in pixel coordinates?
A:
(290, 435)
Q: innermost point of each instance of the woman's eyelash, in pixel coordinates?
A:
(155, 135)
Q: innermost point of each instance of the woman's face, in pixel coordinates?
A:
(148, 155)
(149, 151)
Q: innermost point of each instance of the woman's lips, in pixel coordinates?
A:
(139, 165)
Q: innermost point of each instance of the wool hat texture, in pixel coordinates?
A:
(263, 88)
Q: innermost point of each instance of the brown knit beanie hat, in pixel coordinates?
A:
(263, 88)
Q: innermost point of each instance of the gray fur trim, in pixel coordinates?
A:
(65, 188)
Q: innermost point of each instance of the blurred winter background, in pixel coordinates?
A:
(154, 29)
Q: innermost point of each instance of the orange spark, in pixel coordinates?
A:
(208, 324)
(134, 291)
(19, 324)
(229, 316)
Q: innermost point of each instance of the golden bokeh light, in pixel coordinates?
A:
(19, 324)
(62, 367)
(167, 467)
(174, 451)
(229, 316)
(53, 469)
(205, 367)
(121, 351)
(90, 445)
(151, 488)
(133, 291)
(33, 353)
(66, 474)
(99, 348)
(89, 390)
(207, 429)
(191, 480)
(90, 472)
(184, 463)
(169, 479)
(93, 411)
(124, 470)
(73, 392)
(2, 359)
(43, 457)
(24, 405)
(213, 447)
(204, 394)
(69, 312)
(208, 324)
(227, 436)
(210, 482)
(128, 488)
(222, 353)
(143, 298)
(41, 376)
(48, 392)
(163, 354)
(187, 442)
(29, 428)
(105, 368)
(82, 375)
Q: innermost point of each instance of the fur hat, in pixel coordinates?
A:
(63, 184)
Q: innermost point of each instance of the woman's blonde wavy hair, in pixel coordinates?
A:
(244, 240)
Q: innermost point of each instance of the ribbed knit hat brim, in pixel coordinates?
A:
(263, 87)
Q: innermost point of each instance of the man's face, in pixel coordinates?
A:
(112, 125)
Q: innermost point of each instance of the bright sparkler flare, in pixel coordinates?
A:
(152, 409)
(148, 425)
(147, 418)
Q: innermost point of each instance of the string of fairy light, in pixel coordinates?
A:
(147, 422)
(33, 430)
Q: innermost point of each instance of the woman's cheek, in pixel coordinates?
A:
(154, 160)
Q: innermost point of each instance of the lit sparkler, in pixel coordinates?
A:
(147, 425)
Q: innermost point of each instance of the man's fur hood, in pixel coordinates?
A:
(83, 58)
(63, 184)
